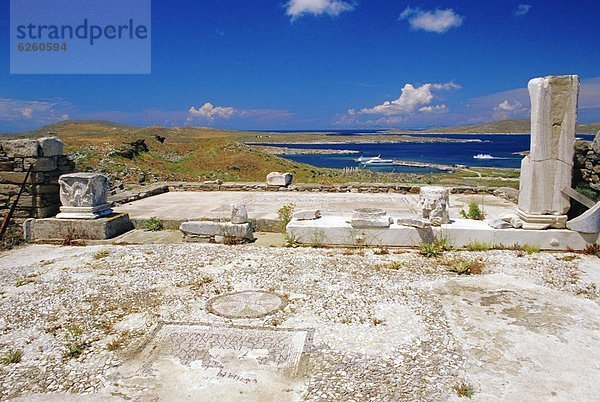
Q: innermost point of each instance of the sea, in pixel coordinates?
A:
(474, 150)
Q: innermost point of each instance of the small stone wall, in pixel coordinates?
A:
(587, 164)
(40, 197)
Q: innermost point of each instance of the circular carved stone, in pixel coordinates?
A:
(248, 304)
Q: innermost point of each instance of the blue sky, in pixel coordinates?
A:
(326, 64)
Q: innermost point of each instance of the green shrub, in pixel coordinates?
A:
(474, 212)
(285, 215)
(153, 224)
(435, 248)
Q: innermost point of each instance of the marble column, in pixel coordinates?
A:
(548, 167)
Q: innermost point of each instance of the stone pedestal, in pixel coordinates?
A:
(83, 196)
(433, 203)
(279, 179)
(548, 168)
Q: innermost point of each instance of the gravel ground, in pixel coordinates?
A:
(393, 326)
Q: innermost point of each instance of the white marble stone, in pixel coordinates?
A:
(588, 222)
(210, 228)
(83, 196)
(548, 168)
(307, 215)
(414, 222)
(279, 179)
(498, 224)
(335, 230)
(239, 213)
(433, 203)
(370, 218)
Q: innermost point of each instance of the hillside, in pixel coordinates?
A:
(517, 126)
(132, 155)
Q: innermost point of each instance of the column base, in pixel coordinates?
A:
(542, 222)
(85, 212)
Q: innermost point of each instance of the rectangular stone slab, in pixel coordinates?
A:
(60, 229)
(209, 228)
(333, 230)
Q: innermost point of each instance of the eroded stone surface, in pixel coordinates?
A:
(370, 218)
(403, 334)
(239, 213)
(248, 304)
(433, 204)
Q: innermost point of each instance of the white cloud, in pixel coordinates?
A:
(410, 100)
(210, 112)
(298, 8)
(434, 109)
(522, 10)
(508, 106)
(439, 21)
(32, 112)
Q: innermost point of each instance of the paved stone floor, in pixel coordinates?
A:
(134, 322)
(264, 205)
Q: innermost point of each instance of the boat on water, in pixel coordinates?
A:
(483, 156)
(378, 161)
(363, 159)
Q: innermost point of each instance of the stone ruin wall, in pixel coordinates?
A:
(587, 164)
(40, 197)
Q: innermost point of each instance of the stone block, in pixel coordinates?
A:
(209, 228)
(51, 146)
(239, 214)
(420, 223)
(40, 164)
(433, 203)
(23, 148)
(307, 215)
(363, 218)
(588, 222)
(83, 196)
(59, 229)
(279, 179)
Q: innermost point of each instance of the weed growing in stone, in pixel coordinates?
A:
(394, 265)
(381, 251)
(153, 224)
(592, 249)
(464, 390)
(12, 356)
(98, 255)
(435, 248)
(478, 246)
(466, 267)
(75, 343)
(474, 212)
